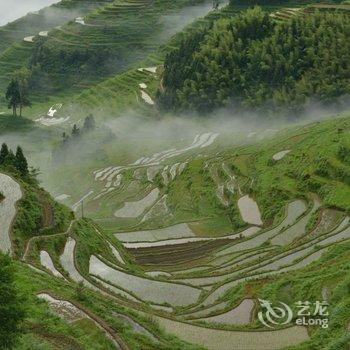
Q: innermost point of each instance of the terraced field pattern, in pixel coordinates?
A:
(172, 238)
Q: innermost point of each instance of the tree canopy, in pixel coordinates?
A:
(251, 61)
(14, 161)
(17, 92)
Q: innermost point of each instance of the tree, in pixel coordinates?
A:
(22, 76)
(89, 123)
(21, 163)
(251, 61)
(65, 138)
(75, 131)
(3, 153)
(11, 307)
(13, 96)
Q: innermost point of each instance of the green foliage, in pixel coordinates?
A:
(11, 306)
(13, 96)
(32, 218)
(80, 291)
(17, 91)
(21, 163)
(17, 162)
(251, 61)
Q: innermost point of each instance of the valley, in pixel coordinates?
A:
(137, 220)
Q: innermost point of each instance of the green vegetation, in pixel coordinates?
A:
(37, 213)
(112, 38)
(298, 252)
(12, 311)
(18, 162)
(250, 61)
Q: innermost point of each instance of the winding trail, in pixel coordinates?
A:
(12, 193)
(26, 252)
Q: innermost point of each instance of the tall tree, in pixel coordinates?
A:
(4, 152)
(13, 96)
(75, 131)
(89, 123)
(22, 76)
(21, 163)
(11, 307)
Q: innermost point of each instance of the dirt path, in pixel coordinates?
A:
(26, 252)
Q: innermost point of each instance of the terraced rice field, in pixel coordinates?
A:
(307, 255)
(171, 232)
(249, 210)
(67, 260)
(181, 238)
(173, 254)
(135, 209)
(239, 315)
(47, 262)
(72, 313)
(148, 290)
(126, 31)
(294, 210)
(223, 340)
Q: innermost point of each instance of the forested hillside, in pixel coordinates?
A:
(253, 61)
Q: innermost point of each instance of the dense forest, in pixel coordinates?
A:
(253, 61)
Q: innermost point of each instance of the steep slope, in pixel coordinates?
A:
(59, 311)
(252, 62)
(106, 41)
(190, 264)
(47, 18)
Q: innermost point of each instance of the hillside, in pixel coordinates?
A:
(129, 226)
(251, 61)
(88, 48)
(199, 242)
(144, 40)
(41, 21)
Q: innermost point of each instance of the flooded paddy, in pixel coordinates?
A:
(171, 232)
(249, 210)
(136, 208)
(146, 289)
(214, 339)
(46, 261)
(241, 314)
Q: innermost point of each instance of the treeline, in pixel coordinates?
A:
(14, 161)
(253, 62)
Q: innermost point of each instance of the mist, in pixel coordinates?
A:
(174, 23)
(12, 10)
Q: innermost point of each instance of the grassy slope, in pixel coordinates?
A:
(128, 31)
(285, 179)
(141, 44)
(42, 328)
(15, 53)
(49, 331)
(45, 19)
